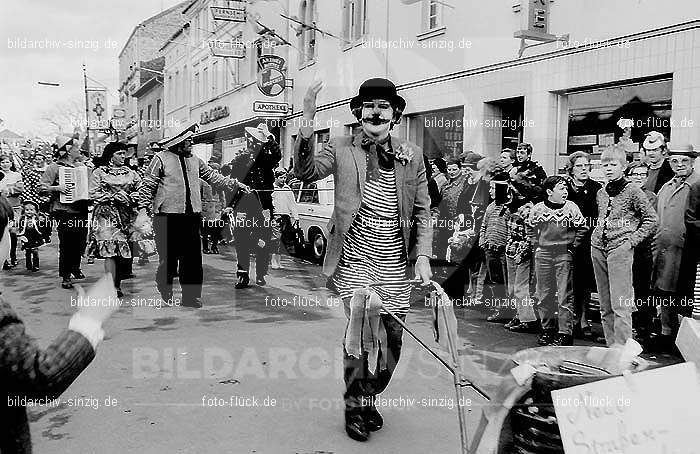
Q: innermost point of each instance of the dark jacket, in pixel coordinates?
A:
(585, 198)
(28, 372)
(528, 180)
(257, 170)
(665, 174)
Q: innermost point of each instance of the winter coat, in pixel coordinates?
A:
(671, 236)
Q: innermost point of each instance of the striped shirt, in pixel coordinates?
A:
(373, 248)
(494, 231)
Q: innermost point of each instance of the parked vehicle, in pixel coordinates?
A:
(315, 203)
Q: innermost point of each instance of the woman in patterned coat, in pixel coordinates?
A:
(111, 187)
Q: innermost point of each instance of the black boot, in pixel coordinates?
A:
(243, 280)
(28, 260)
(373, 419)
(355, 425)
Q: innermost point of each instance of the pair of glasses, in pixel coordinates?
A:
(639, 175)
(684, 161)
(582, 166)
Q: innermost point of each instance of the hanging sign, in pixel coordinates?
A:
(274, 108)
(229, 14)
(271, 81)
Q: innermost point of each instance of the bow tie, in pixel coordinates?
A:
(379, 155)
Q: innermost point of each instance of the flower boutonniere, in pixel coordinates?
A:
(404, 154)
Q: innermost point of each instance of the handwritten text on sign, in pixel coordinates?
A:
(652, 412)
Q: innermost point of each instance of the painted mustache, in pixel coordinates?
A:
(375, 120)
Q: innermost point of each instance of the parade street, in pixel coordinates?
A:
(239, 375)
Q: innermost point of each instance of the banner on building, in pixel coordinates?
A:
(97, 108)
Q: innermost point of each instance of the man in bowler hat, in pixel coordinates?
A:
(381, 190)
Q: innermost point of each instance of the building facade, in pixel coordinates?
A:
(457, 64)
(149, 104)
(218, 92)
(143, 45)
(467, 89)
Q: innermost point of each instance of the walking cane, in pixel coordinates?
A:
(459, 379)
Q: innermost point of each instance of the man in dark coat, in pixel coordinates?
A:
(660, 170)
(583, 191)
(32, 376)
(672, 263)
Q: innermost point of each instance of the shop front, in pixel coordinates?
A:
(617, 114)
(229, 140)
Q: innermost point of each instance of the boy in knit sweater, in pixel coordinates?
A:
(557, 227)
(625, 219)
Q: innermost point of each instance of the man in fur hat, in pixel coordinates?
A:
(381, 190)
(171, 185)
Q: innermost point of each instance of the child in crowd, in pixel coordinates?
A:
(520, 270)
(557, 228)
(30, 233)
(285, 215)
(493, 237)
(625, 219)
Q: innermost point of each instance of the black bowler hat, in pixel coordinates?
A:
(378, 88)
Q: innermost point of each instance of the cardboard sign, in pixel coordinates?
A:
(652, 412)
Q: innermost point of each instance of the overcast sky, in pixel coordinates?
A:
(100, 27)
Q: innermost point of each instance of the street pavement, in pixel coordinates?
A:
(257, 370)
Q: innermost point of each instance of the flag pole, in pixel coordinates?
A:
(87, 112)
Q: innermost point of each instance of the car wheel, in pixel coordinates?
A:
(318, 247)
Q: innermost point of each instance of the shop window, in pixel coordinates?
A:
(158, 110)
(593, 117)
(439, 133)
